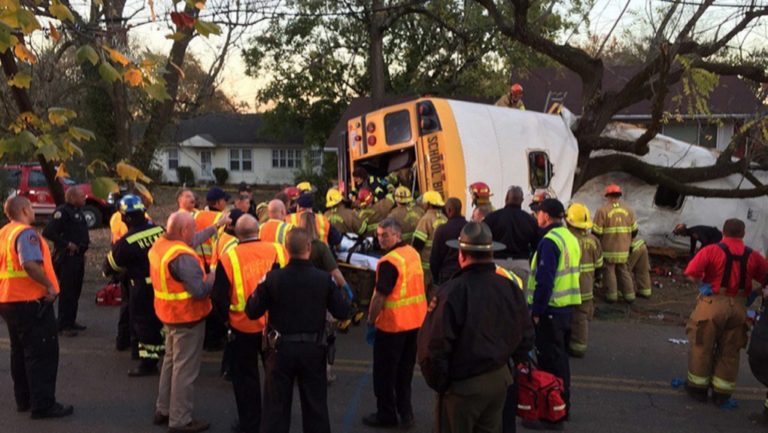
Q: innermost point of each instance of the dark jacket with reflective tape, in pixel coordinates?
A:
(129, 254)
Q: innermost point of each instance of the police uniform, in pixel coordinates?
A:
(238, 273)
(68, 225)
(615, 224)
(400, 280)
(296, 299)
(408, 216)
(344, 219)
(30, 320)
(553, 291)
(129, 257)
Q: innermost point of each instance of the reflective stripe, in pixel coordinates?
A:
(144, 234)
(565, 292)
(280, 254)
(724, 385)
(148, 280)
(599, 263)
(404, 284)
(238, 276)
(10, 271)
(619, 255)
(113, 263)
(586, 267)
(405, 301)
(418, 234)
(620, 229)
(697, 380)
(568, 271)
(163, 292)
(280, 237)
(510, 275)
(637, 243)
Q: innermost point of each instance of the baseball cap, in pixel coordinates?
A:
(552, 207)
(306, 201)
(216, 193)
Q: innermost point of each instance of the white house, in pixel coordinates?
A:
(237, 143)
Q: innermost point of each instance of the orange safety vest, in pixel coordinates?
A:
(225, 242)
(322, 224)
(173, 304)
(15, 283)
(404, 308)
(203, 220)
(246, 265)
(274, 231)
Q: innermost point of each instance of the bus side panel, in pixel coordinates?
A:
(441, 157)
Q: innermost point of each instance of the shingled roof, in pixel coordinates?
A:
(731, 98)
(231, 128)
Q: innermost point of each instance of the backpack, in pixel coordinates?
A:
(111, 294)
(539, 395)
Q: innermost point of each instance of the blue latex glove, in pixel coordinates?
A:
(705, 289)
(348, 290)
(370, 334)
(677, 382)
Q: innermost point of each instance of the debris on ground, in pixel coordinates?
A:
(678, 340)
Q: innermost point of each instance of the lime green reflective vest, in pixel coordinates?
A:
(566, 291)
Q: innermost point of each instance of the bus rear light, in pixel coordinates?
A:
(371, 127)
(371, 140)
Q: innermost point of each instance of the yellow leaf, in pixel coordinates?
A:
(10, 18)
(133, 77)
(27, 21)
(24, 54)
(81, 134)
(59, 116)
(97, 163)
(20, 80)
(129, 172)
(117, 56)
(62, 171)
(103, 186)
(55, 35)
(144, 193)
(61, 12)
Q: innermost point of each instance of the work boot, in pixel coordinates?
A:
(160, 419)
(407, 421)
(68, 332)
(697, 394)
(373, 420)
(58, 410)
(78, 327)
(194, 426)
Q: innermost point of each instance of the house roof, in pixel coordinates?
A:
(230, 128)
(732, 97)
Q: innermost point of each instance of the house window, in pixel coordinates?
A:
(240, 160)
(173, 159)
(315, 158)
(667, 198)
(539, 169)
(286, 158)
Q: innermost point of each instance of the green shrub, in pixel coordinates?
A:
(185, 175)
(221, 174)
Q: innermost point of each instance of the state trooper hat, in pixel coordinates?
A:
(475, 236)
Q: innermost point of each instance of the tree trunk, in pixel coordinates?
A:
(162, 112)
(117, 35)
(24, 103)
(376, 53)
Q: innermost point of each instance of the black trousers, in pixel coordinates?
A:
(394, 355)
(69, 271)
(305, 363)
(509, 415)
(34, 352)
(145, 325)
(125, 334)
(244, 352)
(553, 336)
(215, 333)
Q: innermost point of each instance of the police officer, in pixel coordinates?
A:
(68, 231)
(28, 288)
(129, 257)
(296, 298)
(238, 273)
(396, 312)
(553, 291)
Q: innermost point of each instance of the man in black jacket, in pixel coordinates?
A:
(443, 260)
(296, 298)
(517, 230)
(476, 323)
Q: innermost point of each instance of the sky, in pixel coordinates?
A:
(242, 88)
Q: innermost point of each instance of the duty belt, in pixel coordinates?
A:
(301, 338)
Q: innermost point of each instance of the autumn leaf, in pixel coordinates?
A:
(133, 77)
(200, 5)
(158, 92)
(86, 53)
(61, 12)
(59, 116)
(117, 56)
(80, 134)
(7, 39)
(205, 28)
(61, 171)
(176, 36)
(108, 73)
(95, 164)
(128, 172)
(24, 54)
(49, 151)
(182, 20)
(144, 192)
(27, 21)
(54, 32)
(103, 186)
(21, 80)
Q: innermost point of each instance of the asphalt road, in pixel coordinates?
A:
(623, 385)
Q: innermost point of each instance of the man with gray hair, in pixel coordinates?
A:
(397, 309)
(517, 230)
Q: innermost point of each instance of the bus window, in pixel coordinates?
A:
(397, 127)
(539, 169)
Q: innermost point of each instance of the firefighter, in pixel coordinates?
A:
(305, 187)
(129, 257)
(291, 195)
(481, 195)
(717, 328)
(579, 222)
(705, 234)
(342, 218)
(513, 99)
(536, 200)
(275, 228)
(425, 231)
(639, 266)
(371, 211)
(375, 185)
(405, 212)
(616, 226)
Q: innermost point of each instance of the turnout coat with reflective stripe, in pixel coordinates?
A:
(245, 266)
(614, 223)
(404, 308)
(566, 290)
(15, 284)
(173, 304)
